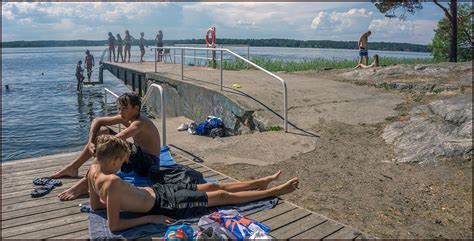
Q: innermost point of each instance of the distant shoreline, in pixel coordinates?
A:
(385, 46)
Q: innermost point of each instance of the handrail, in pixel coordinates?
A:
(105, 101)
(163, 112)
(285, 89)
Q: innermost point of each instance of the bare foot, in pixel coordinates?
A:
(79, 189)
(288, 187)
(263, 182)
(68, 171)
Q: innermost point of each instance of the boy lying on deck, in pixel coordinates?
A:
(177, 201)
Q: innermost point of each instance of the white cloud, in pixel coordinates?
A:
(395, 30)
(352, 21)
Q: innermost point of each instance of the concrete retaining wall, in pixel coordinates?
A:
(184, 99)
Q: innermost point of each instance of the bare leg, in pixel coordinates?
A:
(217, 198)
(260, 184)
(78, 189)
(72, 169)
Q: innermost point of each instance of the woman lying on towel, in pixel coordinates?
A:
(162, 202)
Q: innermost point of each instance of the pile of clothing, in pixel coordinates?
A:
(213, 126)
(221, 225)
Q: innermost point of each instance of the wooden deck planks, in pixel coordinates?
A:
(24, 217)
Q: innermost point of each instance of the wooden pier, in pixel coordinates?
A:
(46, 217)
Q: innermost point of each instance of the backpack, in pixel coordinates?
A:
(212, 122)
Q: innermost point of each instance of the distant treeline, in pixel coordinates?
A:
(252, 42)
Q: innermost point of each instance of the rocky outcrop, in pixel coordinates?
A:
(441, 129)
(422, 77)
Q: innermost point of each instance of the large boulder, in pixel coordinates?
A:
(441, 129)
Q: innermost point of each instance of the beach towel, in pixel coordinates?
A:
(99, 229)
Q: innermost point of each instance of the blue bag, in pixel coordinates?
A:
(180, 233)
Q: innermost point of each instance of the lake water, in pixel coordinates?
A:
(42, 113)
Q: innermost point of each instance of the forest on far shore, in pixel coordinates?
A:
(252, 42)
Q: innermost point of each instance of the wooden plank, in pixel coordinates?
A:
(297, 227)
(54, 163)
(81, 234)
(344, 233)
(39, 159)
(37, 202)
(39, 210)
(24, 195)
(40, 172)
(320, 231)
(13, 191)
(60, 229)
(40, 217)
(279, 209)
(48, 225)
(286, 218)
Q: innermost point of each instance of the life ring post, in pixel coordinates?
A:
(212, 44)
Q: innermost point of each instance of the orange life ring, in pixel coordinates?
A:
(212, 31)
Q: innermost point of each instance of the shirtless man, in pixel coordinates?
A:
(173, 200)
(111, 46)
(145, 150)
(89, 61)
(363, 48)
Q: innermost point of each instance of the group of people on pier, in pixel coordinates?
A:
(125, 44)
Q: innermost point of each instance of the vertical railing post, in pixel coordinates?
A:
(222, 71)
(174, 56)
(155, 60)
(194, 55)
(105, 98)
(182, 64)
(248, 55)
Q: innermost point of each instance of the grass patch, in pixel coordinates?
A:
(275, 128)
(316, 64)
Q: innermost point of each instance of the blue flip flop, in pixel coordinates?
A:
(41, 181)
(41, 191)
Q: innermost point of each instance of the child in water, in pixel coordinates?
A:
(79, 74)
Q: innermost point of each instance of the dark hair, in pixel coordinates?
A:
(79, 62)
(369, 32)
(129, 98)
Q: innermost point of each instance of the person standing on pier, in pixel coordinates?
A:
(119, 47)
(363, 48)
(79, 75)
(111, 46)
(159, 44)
(89, 61)
(128, 44)
(145, 149)
(141, 44)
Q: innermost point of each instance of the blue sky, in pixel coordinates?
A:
(302, 20)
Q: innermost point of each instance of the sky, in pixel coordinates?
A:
(302, 20)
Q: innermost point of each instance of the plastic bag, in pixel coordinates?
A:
(235, 225)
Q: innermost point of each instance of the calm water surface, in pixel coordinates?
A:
(42, 114)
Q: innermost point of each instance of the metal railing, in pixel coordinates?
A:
(145, 98)
(107, 91)
(163, 112)
(222, 50)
